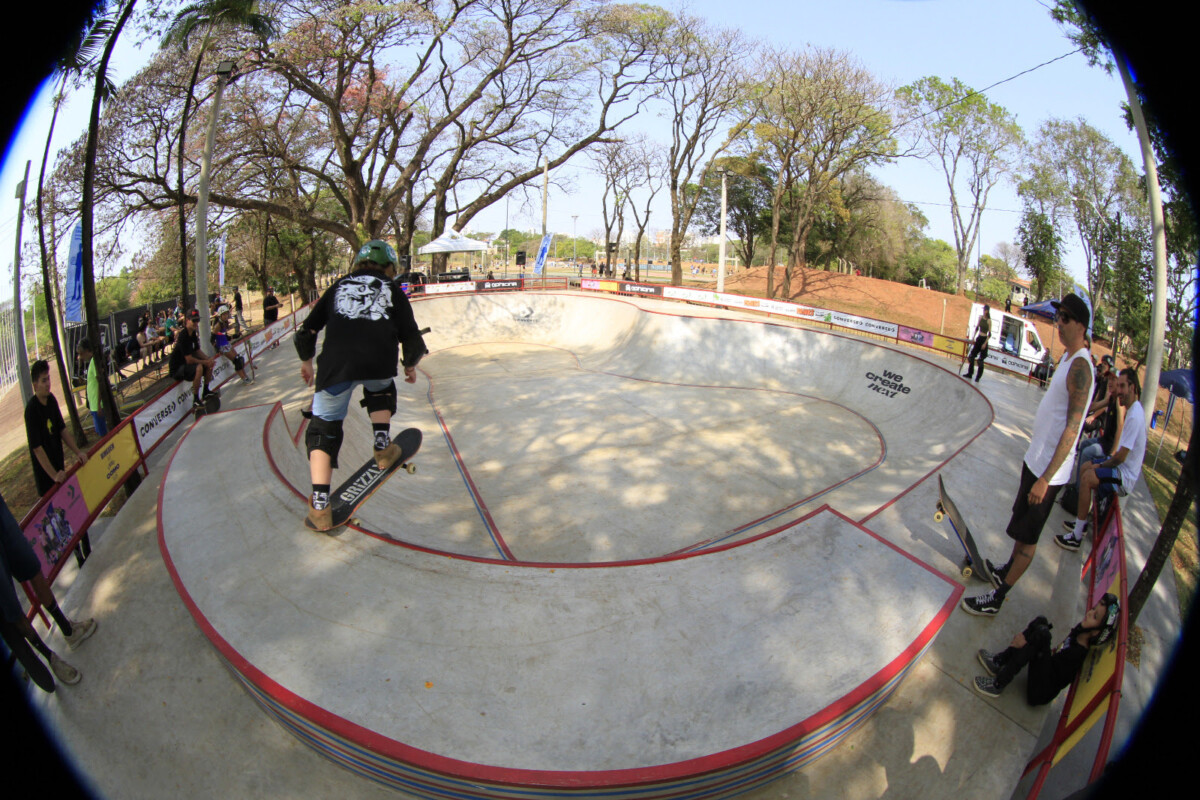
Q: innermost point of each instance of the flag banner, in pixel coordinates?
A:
(221, 262)
(74, 298)
(541, 259)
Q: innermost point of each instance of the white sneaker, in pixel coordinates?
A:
(64, 671)
(79, 632)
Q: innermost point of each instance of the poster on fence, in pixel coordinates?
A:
(108, 467)
(51, 529)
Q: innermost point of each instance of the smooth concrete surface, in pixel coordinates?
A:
(157, 712)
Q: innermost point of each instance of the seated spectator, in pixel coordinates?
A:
(1049, 672)
(220, 337)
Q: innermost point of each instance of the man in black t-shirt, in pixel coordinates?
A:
(47, 433)
(1049, 672)
(189, 362)
(367, 319)
(270, 307)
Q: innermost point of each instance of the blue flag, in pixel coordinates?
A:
(74, 298)
(541, 258)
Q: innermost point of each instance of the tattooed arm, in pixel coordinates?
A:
(1079, 388)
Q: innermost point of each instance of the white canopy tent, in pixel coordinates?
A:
(453, 242)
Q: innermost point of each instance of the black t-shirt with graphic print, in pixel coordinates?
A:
(365, 317)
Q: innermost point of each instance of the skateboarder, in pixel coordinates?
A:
(367, 319)
(1119, 472)
(979, 350)
(189, 362)
(1049, 672)
(220, 336)
(1048, 462)
(19, 562)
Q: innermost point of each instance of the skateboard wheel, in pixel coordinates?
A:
(410, 468)
(938, 516)
(966, 572)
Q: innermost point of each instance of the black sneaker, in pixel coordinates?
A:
(987, 686)
(1067, 542)
(985, 605)
(989, 662)
(998, 573)
(1069, 526)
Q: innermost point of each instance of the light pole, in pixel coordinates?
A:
(721, 252)
(225, 72)
(575, 243)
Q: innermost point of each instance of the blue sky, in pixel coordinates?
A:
(979, 42)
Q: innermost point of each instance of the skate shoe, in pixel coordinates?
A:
(985, 605)
(987, 686)
(998, 573)
(79, 632)
(387, 456)
(1067, 542)
(320, 519)
(64, 671)
(989, 661)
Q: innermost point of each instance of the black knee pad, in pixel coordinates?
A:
(238, 362)
(324, 435)
(380, 401)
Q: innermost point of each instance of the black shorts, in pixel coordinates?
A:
(1028, 520)
(17, 561)
(185, 373)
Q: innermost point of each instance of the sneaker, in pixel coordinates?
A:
(64, 671)
(987, 686)
(998, 573)
(79, 632)
(989, 662)
(1067, 542)
(321, 519)
(209, 393)
(1069, 526)
(247, 381)
(387, 456)
(985, 605)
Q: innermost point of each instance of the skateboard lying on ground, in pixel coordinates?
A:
(211, 405)
(973, 563)
(346, 499)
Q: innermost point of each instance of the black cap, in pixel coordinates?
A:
(1074, 305)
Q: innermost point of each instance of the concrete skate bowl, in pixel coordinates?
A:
(676, 645)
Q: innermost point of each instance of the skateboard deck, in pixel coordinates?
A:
(211, 405)
(973, 563)
(346, 498)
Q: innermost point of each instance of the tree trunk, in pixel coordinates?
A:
(64, 378)
(86, 214)
(1185, 492)
(187, 104)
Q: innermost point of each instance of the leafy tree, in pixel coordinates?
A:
(748, 201)
(932, 260)
(207, 16)
(975, 143)
(1041, 244)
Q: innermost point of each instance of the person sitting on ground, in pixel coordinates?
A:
(189, 362)
(1049, 672)
(18, 562)
(220, 337)
(1119, 472)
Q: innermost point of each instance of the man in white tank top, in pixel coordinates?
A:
(1050, 459)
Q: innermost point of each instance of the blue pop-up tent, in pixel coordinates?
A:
(1181, 383)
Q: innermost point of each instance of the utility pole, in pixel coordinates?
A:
(224, 74)
(721, 252)
(545, 205)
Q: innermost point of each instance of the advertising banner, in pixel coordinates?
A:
(448, 288)
(865, 324)
(541, 256)
(999, 358)
(156, 419)
(74, 299)
(638, 288)
(931, 340)
(108, 467)
(492, 286)
(694, 295)
(50, 530)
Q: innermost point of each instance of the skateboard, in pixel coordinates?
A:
(345, 499)
(211, 405)
(973, 563)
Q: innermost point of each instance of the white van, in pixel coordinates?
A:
(1011, 335)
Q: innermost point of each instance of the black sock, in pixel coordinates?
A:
(64, 624)
(320, 495)
(382, 431)
(40, 646)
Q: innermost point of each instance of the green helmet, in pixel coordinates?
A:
(377, 251)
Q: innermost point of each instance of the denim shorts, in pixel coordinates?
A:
(332, 402)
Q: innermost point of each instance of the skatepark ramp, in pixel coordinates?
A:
(632, 565)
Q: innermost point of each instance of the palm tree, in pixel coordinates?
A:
(207, 15)
(87, 199)
(79, 54)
